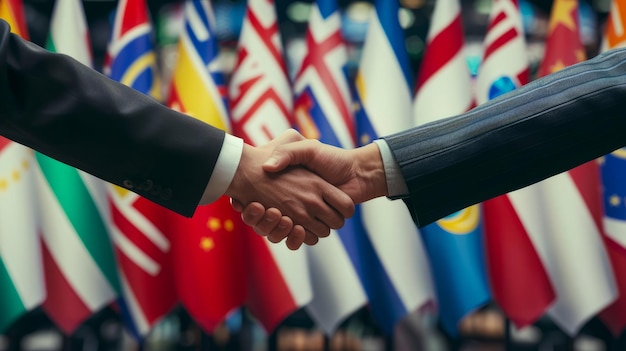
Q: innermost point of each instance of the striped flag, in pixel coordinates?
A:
(261, 109)
(209, 265)
(21, 275)
(519, 282)
(79, 266)
(454, 243)
(393, 264)
(613, 168)
(323, 111)
(139, 228)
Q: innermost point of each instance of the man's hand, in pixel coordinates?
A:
(305, 198)
(359, 172)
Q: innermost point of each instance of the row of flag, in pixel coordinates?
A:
(74, 244)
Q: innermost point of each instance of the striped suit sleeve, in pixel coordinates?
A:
(541, 129)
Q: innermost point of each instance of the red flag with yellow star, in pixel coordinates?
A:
(208, 248)
(563, 45)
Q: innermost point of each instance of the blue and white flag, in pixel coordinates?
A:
(392, 262)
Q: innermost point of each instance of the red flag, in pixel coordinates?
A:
(519, 282)
(209, 264)
(208, 255)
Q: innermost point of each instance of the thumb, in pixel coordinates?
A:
(296, 153)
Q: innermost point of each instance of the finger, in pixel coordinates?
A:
(310, 238)
(269, 222)
(253, 213)
(318, 227)
(299, 152)
(236, 205)
(325, 214)
(296, 237)
(340, 201)
(277, 236)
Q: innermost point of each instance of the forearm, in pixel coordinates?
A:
(544, 128)
(72, 113)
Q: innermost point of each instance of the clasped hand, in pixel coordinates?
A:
(299, 189)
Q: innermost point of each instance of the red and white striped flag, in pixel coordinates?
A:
(261, 109)
(519, 281)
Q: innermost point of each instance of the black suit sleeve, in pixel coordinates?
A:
(57, 106)
(544, 128)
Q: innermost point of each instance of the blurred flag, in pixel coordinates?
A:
(261, 109)
(21, 275)
(613, 169)
(393, 264)
(519, 282)
(79, 266)
(615, 29)
(138, 226)
(454, 243)
(570, 226)
(562, 214)
(209, 265)
(444, 87)
(323, 111)
(12, 11)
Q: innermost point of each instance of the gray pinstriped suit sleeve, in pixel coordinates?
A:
(544, 128)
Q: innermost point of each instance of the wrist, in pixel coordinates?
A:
(371, 171)
(241, 178)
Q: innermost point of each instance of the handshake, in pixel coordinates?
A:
(299, 188)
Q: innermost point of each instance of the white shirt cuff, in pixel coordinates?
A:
(225, 168)
(396, 185)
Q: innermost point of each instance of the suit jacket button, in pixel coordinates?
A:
(128, 184)
(166, 193)
(144, 186)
